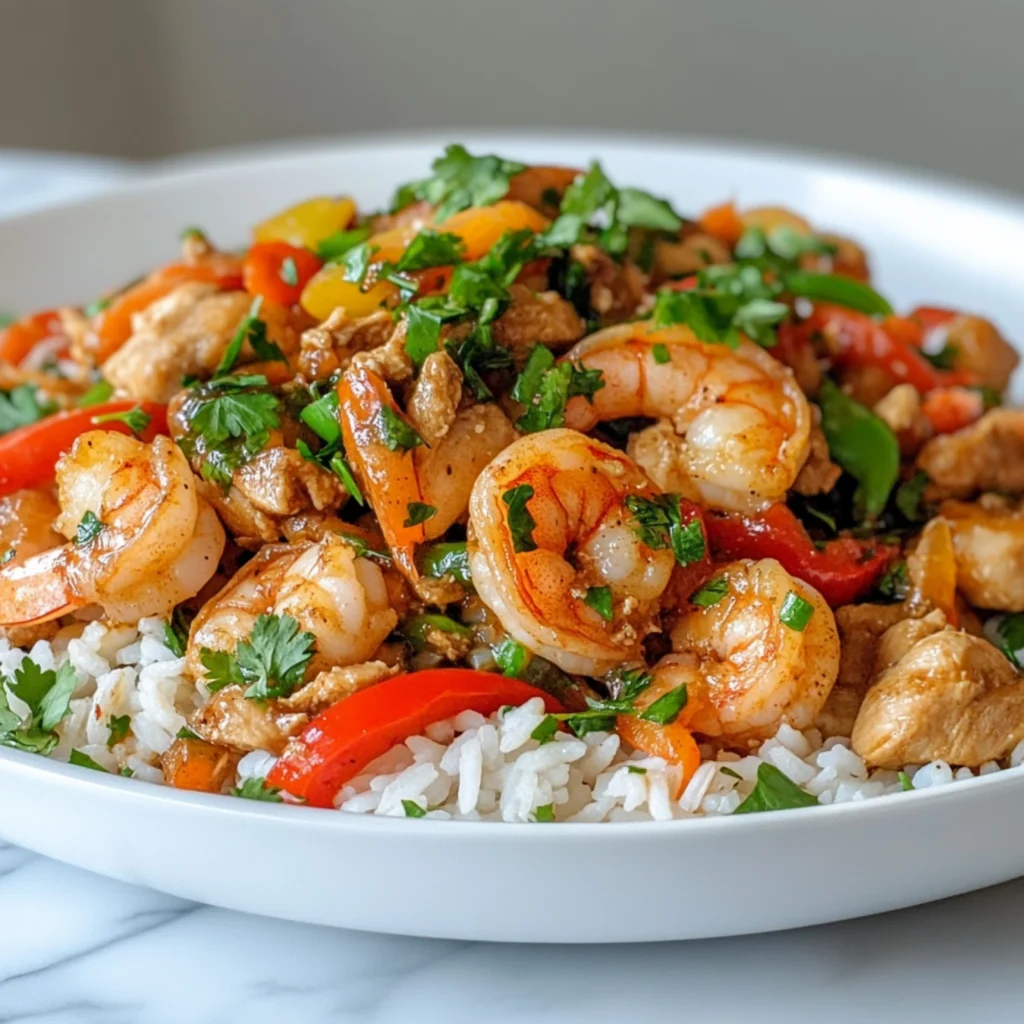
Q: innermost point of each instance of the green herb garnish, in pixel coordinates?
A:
(520, 523)
(796, 612)
(257, 789)
(774, 792)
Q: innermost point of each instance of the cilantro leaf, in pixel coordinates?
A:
(136, 420)
(236, 414)
(222, 669)
(257, 789)
(667, 708)
(906, 783)
(21, 406)
(545, 813)
(274, 658)
(520, 523)
(431, 249)
(512, 657)
(545, 388)
(418, 513)
(895, 582)
(396, 433)
(413, 809)
(774, 791)
(83, 760)
(1010, 631)
(253, 330)
(460, 181)
(659, 524)
(176, 632)
(546, 731)
(119, 726)
(89, 528)
(600, 599)
(47, 692)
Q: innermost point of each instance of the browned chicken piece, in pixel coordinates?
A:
(434, 400)
(275, 484)
(981, 350)
(865, 384)
(328, 348)
(900, 409)
(988, 543)
(693, 252)
(336, 684)
(186, 333)
(389, 361)
(819, 473)
(198, 765)
(617, 290)
(230, 719)
(537, 318)
(986, 456)
(860, 628)
(950, 696)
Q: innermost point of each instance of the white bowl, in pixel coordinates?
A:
(931, 242)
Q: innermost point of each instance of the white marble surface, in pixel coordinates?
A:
(79, 949)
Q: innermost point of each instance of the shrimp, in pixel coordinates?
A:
(735, 427)
(156, 543)
(746, 670)
(26, 525)
(438, 474)
(548, 526)
(340, 598)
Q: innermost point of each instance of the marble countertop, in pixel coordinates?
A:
(79, 949)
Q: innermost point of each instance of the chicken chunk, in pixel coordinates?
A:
(951, 696)
(819, 473)
(275, 484)
(900, 409)
(336, 684)
(980, 349)
(537, 318)
(434, 401)
(988, 544)
(186, 333)
(230, 719)
(617, 290)
(328, 348)
(986, 456)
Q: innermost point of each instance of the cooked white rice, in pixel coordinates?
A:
(469, 767)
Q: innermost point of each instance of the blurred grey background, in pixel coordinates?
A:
(932, 83)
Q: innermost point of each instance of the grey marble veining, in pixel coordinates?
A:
(79, 949)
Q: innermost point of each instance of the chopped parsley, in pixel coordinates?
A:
(545, 388)
(520, 523)
(136, 420)
(544, 813)
(796, 612)
(431, 249)
(774, 792)
(659, 524)
(1011, 636)
(418, 513)
(334, 247)
(445, 559)
(176, 632)
(272, 662)
(732, 774)
(82, 760)
(21, 406)
(906, 782)
(780, 246)
(89, 528)
(460, 180)
(253, 330)
(600, 599)
(635, 769)
(711, 593)
(257, 789)
(895, 582)
(96, 395)
(546, 731)
(185, 733)
(910, 497)
(396, 433)
(661, 353)
(119, 726)
(667, 708)
(413, 809)
(47, 692)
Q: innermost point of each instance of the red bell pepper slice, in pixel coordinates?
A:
(266, 272)
(341, 741)
(28, 455)
(894, 345)
(844, 570)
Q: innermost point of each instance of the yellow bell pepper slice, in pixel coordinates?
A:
(307, 223)
(328, 289)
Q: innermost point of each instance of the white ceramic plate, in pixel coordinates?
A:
(561, 883)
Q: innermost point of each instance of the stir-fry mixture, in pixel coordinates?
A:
(529, 498)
